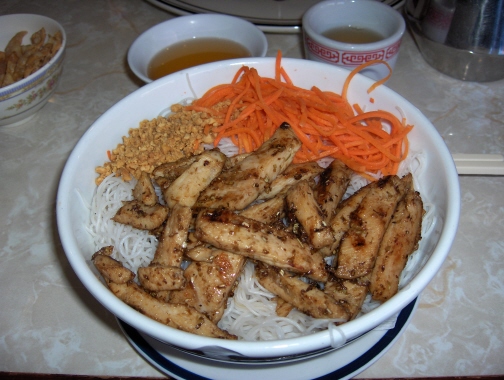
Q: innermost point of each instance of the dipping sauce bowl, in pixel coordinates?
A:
(201, 31)
(348, 33)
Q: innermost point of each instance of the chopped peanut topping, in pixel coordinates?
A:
(157, 141)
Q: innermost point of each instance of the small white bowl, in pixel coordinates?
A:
(170, 32)
(21, 100)
(438, 184)
(368, 14)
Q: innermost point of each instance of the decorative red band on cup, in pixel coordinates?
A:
(351, 58)
(322, 51)
(392, 50)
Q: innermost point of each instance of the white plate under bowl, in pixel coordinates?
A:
(270, 16)
(344, 363)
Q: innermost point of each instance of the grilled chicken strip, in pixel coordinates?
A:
(208, 285)
(163, 272)
(186, 189)
(331, 188)
(201, 253)
(172, 170)
(178, 316)
(351, 292)
(181, 317)
(165, 174)
(213, 272)
(301, 202)
(283, 308)
(157, 278)
(400, 240)
(305, 297)
(192, 241)
(170, 249)
(341, 221)
(233, 160)
(239, 186)
(111, 270)
(292, 175)
(235, 233)
(141, 216)
(269, 212)
(359, 248)
(144, 190)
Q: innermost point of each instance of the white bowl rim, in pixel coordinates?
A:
(16, 86)
(285, 347)
(187, 18)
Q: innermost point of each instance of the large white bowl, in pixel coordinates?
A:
(184, 28)
(21, 100)
(439, 186)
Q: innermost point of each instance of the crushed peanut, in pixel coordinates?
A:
(157, 141)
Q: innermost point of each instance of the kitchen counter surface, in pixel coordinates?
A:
(50, 324)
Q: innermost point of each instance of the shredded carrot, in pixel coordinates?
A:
(251, 107)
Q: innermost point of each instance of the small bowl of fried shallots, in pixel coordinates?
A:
(321, 217)
(31, 60)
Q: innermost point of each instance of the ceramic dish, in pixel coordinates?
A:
(269, 15)
(365, 14)
(21, 100)
(185, 28)
(438, 184)
(343, 363)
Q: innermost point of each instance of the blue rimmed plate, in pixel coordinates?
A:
(343, 363)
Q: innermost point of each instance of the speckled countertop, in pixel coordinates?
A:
(50, 324)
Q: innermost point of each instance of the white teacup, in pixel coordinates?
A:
(371, 30)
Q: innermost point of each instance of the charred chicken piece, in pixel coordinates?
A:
(171, 246)
(144, 190)
(234, 160)
(244, 236)
(359, 248)
(269, 212)
(341, 221)
(331, 188)
(283, 308)
(178, 316)
(157, 278)
(212, 274)
(399, 241)
(111, 269)
(172, 170)
(192, 241)
(304, 296)
(289, 177)
(186, 188)
(141, 216)
(163, 273)
(165, 174)
(301, 202)
(351, 292)
(208, 285)
(202, 253)
(239, 186)
(181, 317)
